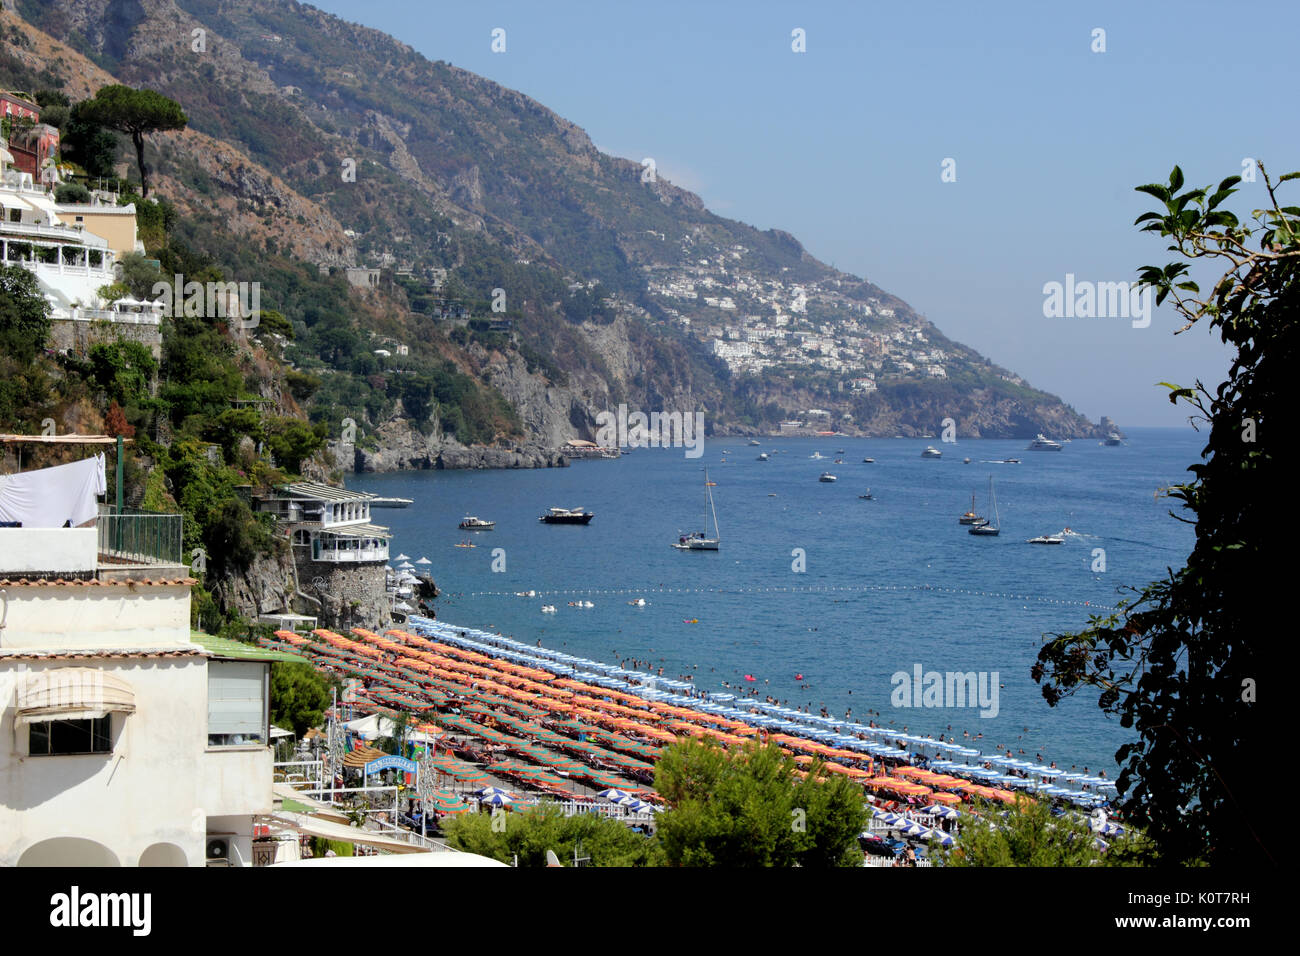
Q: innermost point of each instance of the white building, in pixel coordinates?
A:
(124, 740)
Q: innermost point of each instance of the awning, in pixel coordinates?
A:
(72, 693)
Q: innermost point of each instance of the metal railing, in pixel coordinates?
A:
(140, 537)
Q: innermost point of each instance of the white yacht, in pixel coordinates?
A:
(827, 476)
(931, 452)
(1042, 443)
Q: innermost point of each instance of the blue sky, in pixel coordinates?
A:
(842, 145)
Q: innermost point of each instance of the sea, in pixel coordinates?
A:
(819, 598)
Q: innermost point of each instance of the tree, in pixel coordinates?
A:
(1028, 833)
(748, 807)
(24, 314)
(137, 113)
(1181, 662)
(299, 696)
(528, 835)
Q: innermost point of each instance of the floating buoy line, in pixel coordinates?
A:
(804, 589)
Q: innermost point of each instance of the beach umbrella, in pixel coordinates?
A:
(614, 795)
(915, 829)
(424, 561)
(402, 557)
(943, 839)
(496, 800)
(489, 791)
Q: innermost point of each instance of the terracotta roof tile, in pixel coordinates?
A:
(92, 653)
(92, 582)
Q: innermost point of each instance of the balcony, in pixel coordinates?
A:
(136, 538)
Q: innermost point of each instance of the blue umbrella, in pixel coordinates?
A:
(496, 799)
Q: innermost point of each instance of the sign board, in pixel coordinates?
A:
(390, 763)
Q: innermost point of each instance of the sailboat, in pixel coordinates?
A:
(971, 517)
(988, 527)
(696, 540)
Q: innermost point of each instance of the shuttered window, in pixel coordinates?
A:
(237, 713)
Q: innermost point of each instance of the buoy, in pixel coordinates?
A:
(798, 677)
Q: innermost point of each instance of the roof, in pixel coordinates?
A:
(131, 584)
(356, 531)
(225, 649)
(321, 492)
(100, 653)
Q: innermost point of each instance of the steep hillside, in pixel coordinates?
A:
(603, 284)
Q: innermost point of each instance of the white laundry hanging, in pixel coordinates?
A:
(54, 497)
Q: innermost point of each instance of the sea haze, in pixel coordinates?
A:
(889, 583)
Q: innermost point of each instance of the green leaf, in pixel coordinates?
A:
(1288, 176)
(1154, 189)
(1176, 180)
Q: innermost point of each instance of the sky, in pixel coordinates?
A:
(844, 144)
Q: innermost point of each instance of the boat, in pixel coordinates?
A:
(471, 523)
(548, 608)
(839, 461)
(867, 495)
(1010, 461)
(391, 502)
(839, 451)
(1042, 443)
(971, 517)
(1046, 539)
(989, 528)
(931, 452)
(1113, 439)
(698, 540)
(762, 456)
(827, 476)
(868, 461)
(466, 544)
(816, 456)
(754, 441)
(965, 461)
(566, 516)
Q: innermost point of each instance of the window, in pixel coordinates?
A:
(237, 703)
(55, 737)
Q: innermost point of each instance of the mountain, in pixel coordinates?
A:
(559, 280)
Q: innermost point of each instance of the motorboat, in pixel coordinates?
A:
(762, 456)
(1042, 443)
(827, 476)
(567, 516)
(931, 452)
(472, 523)
(1046, 539)
(1113, 439)
(754, 441)
(867, 495)
(988, 528)
(868, 461)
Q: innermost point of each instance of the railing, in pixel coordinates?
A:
(343, 554)
(140, 537)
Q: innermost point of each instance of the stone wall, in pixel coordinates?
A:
(78, 335)
(350, 595)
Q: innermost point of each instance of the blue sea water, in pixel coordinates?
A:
(888, 583)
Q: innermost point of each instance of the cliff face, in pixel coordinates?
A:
(264, 588)
(459, 176)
